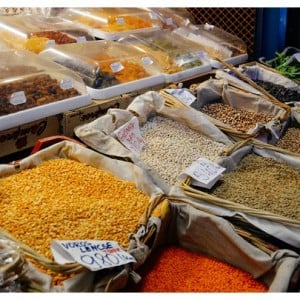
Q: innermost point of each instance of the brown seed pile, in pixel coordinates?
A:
(171, 147)
(58, 36)
(239, 119)
(38, 90)
(264, 184)
(290, 140)
(67, 200)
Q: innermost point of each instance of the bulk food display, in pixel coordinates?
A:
(193, 250)
(173, 17)
(33, 88)
(260, 183)
(239, 109)
(193, 186)
(112, 23)
(107, 67)
(178, 57)
(216, 42)
(166, 141)
(285, 62)
(80, 196)
(37, 32)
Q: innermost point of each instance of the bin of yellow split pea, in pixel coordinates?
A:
(64, 199)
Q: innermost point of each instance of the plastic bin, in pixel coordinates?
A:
(108, 68)
(33, 88)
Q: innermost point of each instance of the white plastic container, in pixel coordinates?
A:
(37, 32)
(32, 88)
(108, 68)
(179, 58)
(216, 42)
(113, 23)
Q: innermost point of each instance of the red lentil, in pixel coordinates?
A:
(173, 269)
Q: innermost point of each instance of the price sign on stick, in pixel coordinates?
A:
(204, 172)
(184, 95)
(92, 254)
(130, 136)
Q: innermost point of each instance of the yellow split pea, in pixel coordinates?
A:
(65, 199)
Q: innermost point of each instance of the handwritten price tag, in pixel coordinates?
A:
(94, 255)
(184, 95)
(130, 136)
(204, 172)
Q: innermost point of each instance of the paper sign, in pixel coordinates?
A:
(297, 56)
(130, 136)
(147, 61)
(81, 39)
(50, 43)
(116, 67)
(120, 21)
(204, 172)
(184, 95)
(92, 254)
(17, 98)
(169, 21)
(66, 83)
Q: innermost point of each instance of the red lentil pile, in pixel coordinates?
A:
(173, 269)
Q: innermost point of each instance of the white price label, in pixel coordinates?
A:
(169, 21)
(50, 43)
(17, 98)
(204, 172)
(81, 39)
(130, 136)
(297, 56)
(120, 21)
(147, 61)
(184, 95)
(66, 83)
(93, 254)
(116, 67)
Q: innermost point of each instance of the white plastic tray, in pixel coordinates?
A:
(38, 112)
(116, 90)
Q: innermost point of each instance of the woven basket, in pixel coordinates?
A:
(28, 254)
(267, 95)
(173, 102)
(153, 235)
(204, 196)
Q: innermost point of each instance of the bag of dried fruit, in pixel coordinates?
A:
(259, 190)
(163, 139)
(67, 213)
(182, 247)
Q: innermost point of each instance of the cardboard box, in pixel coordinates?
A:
(88, 113)
(25, 136)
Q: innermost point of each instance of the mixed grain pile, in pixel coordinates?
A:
(170, 147)
(263, 183)
(236, 118)
(290, 140)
